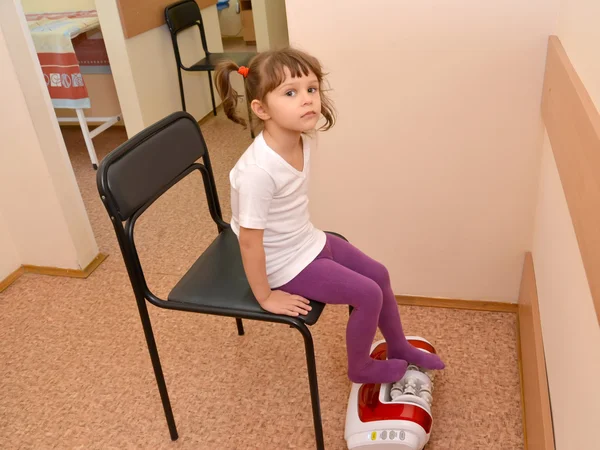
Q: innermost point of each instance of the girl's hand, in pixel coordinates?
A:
(280, 302)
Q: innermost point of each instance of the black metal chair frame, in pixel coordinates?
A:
(125, 212)
(193, 17)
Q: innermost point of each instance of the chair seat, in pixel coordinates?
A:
(211, 60)
(217, 281)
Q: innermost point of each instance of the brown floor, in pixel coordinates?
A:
(237, 44)
(75, 372)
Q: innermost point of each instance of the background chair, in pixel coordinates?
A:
(183, 15)
(133, 177)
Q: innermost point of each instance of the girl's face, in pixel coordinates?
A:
(294, 105)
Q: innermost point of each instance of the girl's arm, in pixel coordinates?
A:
(253, 257)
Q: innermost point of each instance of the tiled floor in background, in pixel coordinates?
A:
(75, 372)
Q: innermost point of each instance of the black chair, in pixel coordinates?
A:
(183, 15)
(133, 177)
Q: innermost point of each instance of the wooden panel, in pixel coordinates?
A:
(476, 305)
(573, 126)
(536, 399)
(139, 16)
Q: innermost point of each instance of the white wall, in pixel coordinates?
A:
(270, 24)
(569, 326)
(432, 166)
(9, 258)
(145, 72)
(580, 35)
(277, 24)
(39, 197)
(261, 28)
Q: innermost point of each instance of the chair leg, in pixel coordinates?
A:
(240, 326)
(158, 373)
(311, 365)
(181, 93)
(212, 94)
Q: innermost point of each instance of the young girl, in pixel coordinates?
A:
(286, 259)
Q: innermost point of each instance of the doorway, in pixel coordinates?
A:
(253, 25)
(69, 44)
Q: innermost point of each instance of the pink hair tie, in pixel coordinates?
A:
(243, 70)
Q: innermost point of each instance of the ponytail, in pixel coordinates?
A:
(228, 95)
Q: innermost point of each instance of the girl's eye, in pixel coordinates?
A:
(312, 90)
(290, 93)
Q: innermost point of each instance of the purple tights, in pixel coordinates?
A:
(344, 275)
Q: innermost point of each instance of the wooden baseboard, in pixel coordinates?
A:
(53, 271)
(73, 273)
(475, 305)
(535, 399)
(537, 417)
(520, 364)
(11, 278)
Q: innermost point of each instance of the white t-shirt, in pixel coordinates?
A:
(269, 194)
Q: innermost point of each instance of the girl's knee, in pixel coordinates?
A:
(368, 296)
(381, 275)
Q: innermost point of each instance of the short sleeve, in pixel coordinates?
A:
(255, 189)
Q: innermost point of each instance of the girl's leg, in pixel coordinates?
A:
(328, 282)
(389, 320)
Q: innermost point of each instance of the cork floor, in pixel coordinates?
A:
(75, 372)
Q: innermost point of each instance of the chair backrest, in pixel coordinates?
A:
(181, 16)
(134, 175)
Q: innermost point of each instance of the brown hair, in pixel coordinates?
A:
(266, 72)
